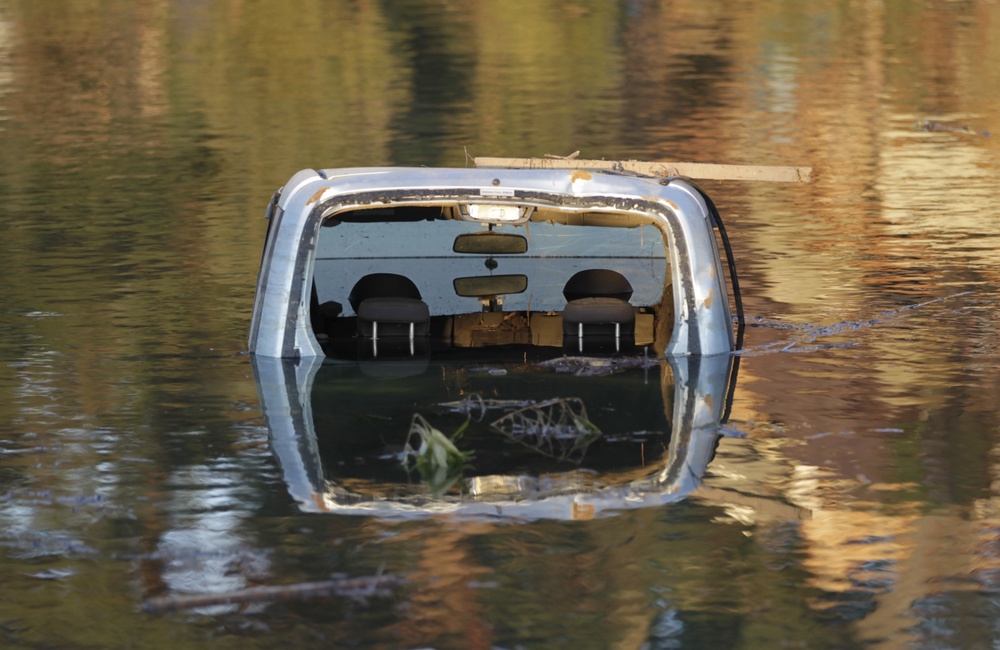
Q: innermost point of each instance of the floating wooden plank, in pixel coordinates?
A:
(704, 171)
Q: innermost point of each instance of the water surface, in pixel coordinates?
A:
(139, 146)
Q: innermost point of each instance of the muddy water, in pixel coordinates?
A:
(857, 502)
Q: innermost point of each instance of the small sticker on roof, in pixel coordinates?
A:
(496, 191)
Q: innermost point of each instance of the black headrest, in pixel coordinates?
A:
(382, 285)
(597, 283)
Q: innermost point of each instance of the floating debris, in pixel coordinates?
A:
(598, 366)
(930, 125)
(475, 402)
(57, 573)
(558, 428)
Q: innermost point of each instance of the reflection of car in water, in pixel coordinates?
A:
(337, 432)
(449, 294)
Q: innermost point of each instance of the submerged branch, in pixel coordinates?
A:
(558, 428)
(475, 402)
(345, 587)
(805, 342)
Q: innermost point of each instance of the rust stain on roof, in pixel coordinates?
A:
(315, 197)
(319, 501)
(580, 175)
(709, 298)
(583, 511)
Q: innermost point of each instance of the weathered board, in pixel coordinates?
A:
(704, 171)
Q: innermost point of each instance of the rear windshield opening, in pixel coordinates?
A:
(387, 281)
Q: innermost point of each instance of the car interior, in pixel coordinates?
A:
(412, 281)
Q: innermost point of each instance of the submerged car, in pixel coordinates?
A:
(460, 258)
(390, 294)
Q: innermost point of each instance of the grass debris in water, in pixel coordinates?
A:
(438, 461)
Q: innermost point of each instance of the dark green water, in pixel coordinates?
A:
(140, 143)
